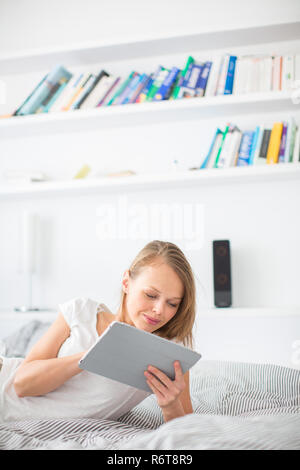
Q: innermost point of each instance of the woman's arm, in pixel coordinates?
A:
(172, 396)
(42, 371)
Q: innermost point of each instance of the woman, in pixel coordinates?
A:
(158, 296)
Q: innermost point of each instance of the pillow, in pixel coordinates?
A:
(19, 343)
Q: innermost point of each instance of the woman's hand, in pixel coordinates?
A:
(167, 391)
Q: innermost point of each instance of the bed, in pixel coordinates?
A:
(237, 405)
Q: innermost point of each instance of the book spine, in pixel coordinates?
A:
(190, 84)
(55, 97)
(142, 96)
(208, 156)
(274, 144)
(164, 91)
(125, 90)
(139, 88)
(120, 90)
(282, 143)
(221, 146)
(290, 126)
(44, 90)
(253, 146)
(18, 110)
(230, 75)
(203, 79)
(296, 151)
(212, 82)
(132, 88)
(292, 144)
(262, 157)
(83, 91)
(287, 72)
(277, 70)
(176, 90)
(104, 100)
(222, 76)
(161, 75)
(245, 148)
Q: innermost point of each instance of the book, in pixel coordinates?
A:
(164, 91)
(277, 70)
(296, 151)
(182, 75)
(282, 143)
(52, 96)
(212, 82)
(228, 87)
(121, 87)
(262, 157)
(254, 144)
(160, 75)
(210, 151)
(288, 152)
(190, 83)
(223, 75)
(203, 79)
(82, 91)
(245, 148)
(125, 90)
(99, 92)
(66, 94)
(145, 90)
(44, 90)
(274, 144)
(89, 88)
(55, 97)
(292, 143)
(106, 97)
(255, 157)
(132, 86)
(139, 88)
(77, 91)
(17, 111)
(230, 146)
(221, 145)
(287, 78)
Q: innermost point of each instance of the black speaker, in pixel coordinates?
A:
(222, 273)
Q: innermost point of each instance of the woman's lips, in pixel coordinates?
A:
(150, 320)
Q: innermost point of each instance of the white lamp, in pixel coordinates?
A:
(28, 246)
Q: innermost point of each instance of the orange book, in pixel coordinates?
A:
(274, 144)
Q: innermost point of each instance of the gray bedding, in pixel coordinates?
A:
(236, 406)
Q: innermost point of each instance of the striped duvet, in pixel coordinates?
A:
(236, 406)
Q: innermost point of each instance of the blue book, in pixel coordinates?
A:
(254, 144)
(17, 112)
(190, 83)
(123, 94)
(230, 75)
(202, 82)
(45, 90)
(206, 160)
(54, 97)
(245, 148)
(165, 89)
(132, 88)
(145, 90)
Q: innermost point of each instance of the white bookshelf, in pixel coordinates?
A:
(194, 178)
(112, 116)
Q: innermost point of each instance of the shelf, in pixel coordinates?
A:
(176, 179)
(146, 113)
(88, 53)
(247, 312)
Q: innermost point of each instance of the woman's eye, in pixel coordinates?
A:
(151, 296)
(172, 305)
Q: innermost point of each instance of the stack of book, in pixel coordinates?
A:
(60, 90)
(279, 143)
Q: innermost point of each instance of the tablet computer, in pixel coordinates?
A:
(124, 352)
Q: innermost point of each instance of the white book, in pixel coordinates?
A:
(65, 94)
(296, 151)
(88, 82)
(222, 76)
(224, 156)
(276, 77)
(236, 78)
(234, 148)
(211, 87)
(268, 72)
(77, 88)
(288, 72)
(98, 92)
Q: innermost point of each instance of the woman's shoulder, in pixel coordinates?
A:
(78, 309)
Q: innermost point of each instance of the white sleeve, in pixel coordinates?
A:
(71, 310)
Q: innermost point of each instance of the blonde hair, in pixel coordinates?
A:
(180, 326)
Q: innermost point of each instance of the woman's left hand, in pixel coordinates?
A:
(167, 391)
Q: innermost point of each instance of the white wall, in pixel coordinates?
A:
(73, 260)
(31, 24)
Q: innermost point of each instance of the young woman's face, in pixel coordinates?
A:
(153, 297)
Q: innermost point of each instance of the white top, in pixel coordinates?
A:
(85, 395)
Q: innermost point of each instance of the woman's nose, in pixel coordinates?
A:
(158, 307)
